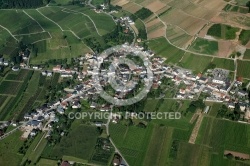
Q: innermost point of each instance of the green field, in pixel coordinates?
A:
(9, 150)
(247, 54)
(243, 69)
(62, 45)
(224, 63)
(80, 143)
(20, 23)
(204, 46)
(223, 31)
(162, 48)
(244, 36)
(195, 62)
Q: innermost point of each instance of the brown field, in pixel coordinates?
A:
(225, 48)
(178, 37)
(213, 4)
(203, 32)
(179, 4)
(152, 22)
(248, 45)
(157, 33)
(165, 8)
(188, 23)
(200, 12)
(131, 7)
(155, 6)
(166, 1)
(120, 2)
(146, 2)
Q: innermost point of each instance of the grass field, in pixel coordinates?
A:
(243, 69)
(204, 46)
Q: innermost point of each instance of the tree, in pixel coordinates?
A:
(248, 5)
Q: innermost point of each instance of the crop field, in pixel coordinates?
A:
(162, 48)
(224, 63)
(20, 23)
(247, 54)
(195, 62)
(131, 141)
(33, 38)
(9, 149)
(151, 105)
(70, 20)
(9, 87)
(131, 7)
(244, 36)
(83, 17)
(204, 46)
(243, 69)
(58, 47)
(223, 31)
(82, 147)
(155, 6)
(8, 43)
(178, 37)
(189, 154)
(227, 135)
(159, 146)
(18, 76)
(191, 24)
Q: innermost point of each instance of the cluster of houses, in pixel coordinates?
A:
(215, 83)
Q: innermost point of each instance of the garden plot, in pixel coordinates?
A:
(155, 6)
